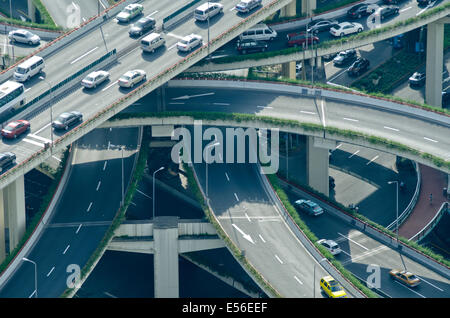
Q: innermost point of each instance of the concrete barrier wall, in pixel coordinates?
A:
(185, 228)
(43, 34)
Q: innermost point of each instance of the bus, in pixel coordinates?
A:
(12, 96)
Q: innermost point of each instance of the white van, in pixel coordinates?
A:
(260, 32)
(29, 68)
(207, 9)
(152, 41)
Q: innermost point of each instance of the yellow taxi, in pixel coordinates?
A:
(405, 277)
(332, 288)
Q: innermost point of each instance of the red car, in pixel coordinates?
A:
(297, 39)
(15, 128)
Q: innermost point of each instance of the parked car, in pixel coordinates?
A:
(309, 207)
(206, 10)
(251, 46)
(423, 2)
(320, 25)
(388, 11)
(65, 120)
(346, 28)
(417, 79)
(300, 39)
(6, 159)
(330, 245)
(130, 12)
(15, 128)
(332, 288)
(143, 25)
(131, 78)
(358, 11)
(405, 277)
(24, 36)
(94, 79)
(187, 43)
(345, 57)
(359, 66)
(246, 6)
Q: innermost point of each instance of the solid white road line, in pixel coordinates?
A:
(176, 103)
(338, 146)
(228, 178)
(265, 107)
(353, 154)
(56, 158)
(410, 289)
(235, 195)
(66, 249)
(406, 9)
(109, 295)
(110, 85)
(221, 104)
(32, 294)
(51, 271)
(154, 12)
(103, 5)
(421, 278)
(390, 128)
(262, 239)
(104, 166)
(33, 142)
(84, 55)
(298, 280)
(233, 8)
(179, 37)
(89, 207)
(143, 194)
(276, 256)
(323, 112)
(350, 119)
(429, 139)
(307, 112)
(353, 241)
(98, 185)
(246, 215)
(41, 129)
(78, 229)
(372, 160)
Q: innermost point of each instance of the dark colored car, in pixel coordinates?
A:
(15, 128)
(142, 26)
(344, 57)
(249, 46)
(6, 159)
(417, 79)
(423, 2)
(358, 11)
(320, 25)
(65, 120)
(309, 207)
(359, 66)
(298, 39)
(388, 11)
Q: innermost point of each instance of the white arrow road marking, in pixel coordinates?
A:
(246, 236)
(192, 96)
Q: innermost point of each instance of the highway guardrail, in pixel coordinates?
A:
(430, 226)
(179, 14)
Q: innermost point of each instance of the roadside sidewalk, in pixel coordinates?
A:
(433, 182)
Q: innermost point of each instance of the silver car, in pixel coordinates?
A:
(131, 78)
(187, 43)
(94, 79)
(24, 36)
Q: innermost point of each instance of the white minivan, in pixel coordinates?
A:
(152, 41)
(207, 9)
(260, 32)
(29, 68)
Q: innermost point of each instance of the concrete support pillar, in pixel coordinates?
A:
(165, 236)
(312, 62)
(288, 70)
(319, 61)
(434, 65)
(290, 10)
(308, 6)
(31, 11)
(2, 229)
(317, 164)
(14, 207)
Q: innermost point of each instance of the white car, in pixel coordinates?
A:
(346, 28)
(94, 79)
(246, 6)
(130, 12)
(24, 36)
(330, 245)
(130, 78)
(187, 43)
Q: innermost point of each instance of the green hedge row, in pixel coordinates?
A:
(46, 200)
(439, 162)
(430, 253)
(120, 216)
(194, 188)
(313, 238)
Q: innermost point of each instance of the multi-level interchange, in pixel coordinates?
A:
(350, 200)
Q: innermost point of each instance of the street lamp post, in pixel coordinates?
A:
(215, 144)
(314, 277)
(35, 274)
(208, 29)
(396, 203)
(51, 109)
(154, 197)
(123, 186)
